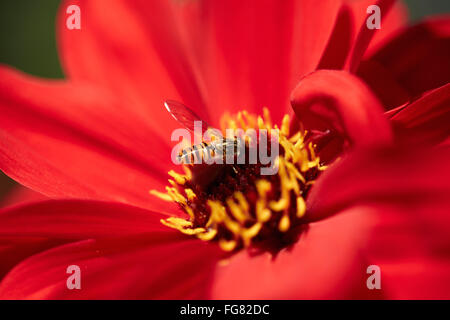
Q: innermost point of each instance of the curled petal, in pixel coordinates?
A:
(336, 100)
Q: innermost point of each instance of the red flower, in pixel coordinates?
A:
(99, 141)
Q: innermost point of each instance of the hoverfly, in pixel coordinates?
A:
(207, 151)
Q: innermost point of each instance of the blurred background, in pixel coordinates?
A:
(27, 40)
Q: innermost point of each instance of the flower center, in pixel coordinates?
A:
(236, 206)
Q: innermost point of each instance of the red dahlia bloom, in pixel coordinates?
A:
(98, 142)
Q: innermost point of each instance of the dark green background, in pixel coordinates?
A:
(27, 38)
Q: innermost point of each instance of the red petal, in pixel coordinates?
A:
(340, 41)
(12, 251)
(405, 196)
(409, 242)
(413, 62)
(329, 99)
(392, 20)
(351, 19)
(142, 58)
(75, 219)
(382, 176)
(427, 119)
(323, 264)
(253, 54)
(364, 38)
(69, 140)
(229, 54)
(32, 228)
(154, 266)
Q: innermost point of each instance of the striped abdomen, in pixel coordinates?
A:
(205, 152)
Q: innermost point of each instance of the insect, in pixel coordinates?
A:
(206, 151)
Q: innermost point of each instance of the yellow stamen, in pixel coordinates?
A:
(190, 194)
(179, 178)
(237, 220)
(297, 137)
(163, 196)
(175, 195)
(182, 225)
(261, 124)
(262, 212)
(301, 207)
(248, 233)
(285, 126)
(236, 210)
(208, 235)
(284, 223)
(227, 245)
(267, 119)
(241, 121)
(242, 202)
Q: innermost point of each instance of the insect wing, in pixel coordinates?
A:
(184, 115)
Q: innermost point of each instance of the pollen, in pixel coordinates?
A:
(240, 208)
